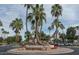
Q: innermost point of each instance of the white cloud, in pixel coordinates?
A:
(70, 12)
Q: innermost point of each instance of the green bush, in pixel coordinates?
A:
(12, 39)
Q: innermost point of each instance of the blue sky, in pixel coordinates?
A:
(70, 16)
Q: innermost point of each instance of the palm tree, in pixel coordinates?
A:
(57, 24)
(56, 12)
(28, 6)
(17, 25)
(37, 16)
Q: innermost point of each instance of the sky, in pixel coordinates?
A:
(8, 12)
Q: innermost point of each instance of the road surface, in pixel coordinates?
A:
(76, 51)
(5, 48)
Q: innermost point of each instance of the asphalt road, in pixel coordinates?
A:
(4, 49)
(76, 51)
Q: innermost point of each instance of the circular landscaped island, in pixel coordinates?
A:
(39, 50)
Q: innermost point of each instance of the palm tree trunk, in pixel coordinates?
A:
(40, 32)
(63, 41)
(57, 31)
(63, 37)
(41, 29)
(36, 32)
(56, 34)
(17, 38)
(26, 18)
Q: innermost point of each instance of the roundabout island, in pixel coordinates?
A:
(58, 50)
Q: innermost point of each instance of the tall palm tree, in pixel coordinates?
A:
(57, 24)
(56, 12)
(37, 16)
(17, 25)
(28, 6)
